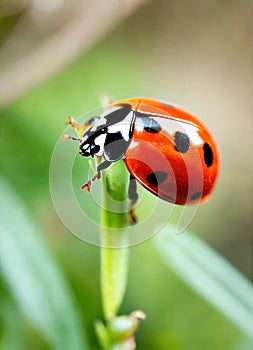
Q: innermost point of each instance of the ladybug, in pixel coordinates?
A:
(166, 149)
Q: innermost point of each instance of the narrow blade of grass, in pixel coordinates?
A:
(209, 274)
(33, 279)
(114, 262)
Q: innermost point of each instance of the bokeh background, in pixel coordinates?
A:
(56, 59)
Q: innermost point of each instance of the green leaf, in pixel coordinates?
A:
(33, 279)
(102, 334)
(209, 274)
(11, 323)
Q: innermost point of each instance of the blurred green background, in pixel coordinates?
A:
(56, 59)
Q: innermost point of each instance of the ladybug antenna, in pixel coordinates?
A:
(68, 137)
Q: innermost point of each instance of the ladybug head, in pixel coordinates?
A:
(92, 142)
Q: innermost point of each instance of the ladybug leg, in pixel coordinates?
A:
(80, 128)
(133, 196)
(100, 167)
(68, 137)
(71, 121)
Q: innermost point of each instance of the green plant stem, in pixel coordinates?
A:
(114, 261)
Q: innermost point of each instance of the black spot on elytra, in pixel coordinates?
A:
(195, 196)
(156, 178)
(208, 154)
(150, 124)
(182, 142)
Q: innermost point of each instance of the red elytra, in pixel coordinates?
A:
(178, 158)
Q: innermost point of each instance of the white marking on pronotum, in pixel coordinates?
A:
(100, 141)
(123, 126)
(100, 122)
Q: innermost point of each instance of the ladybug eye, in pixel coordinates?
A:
(94, 149)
